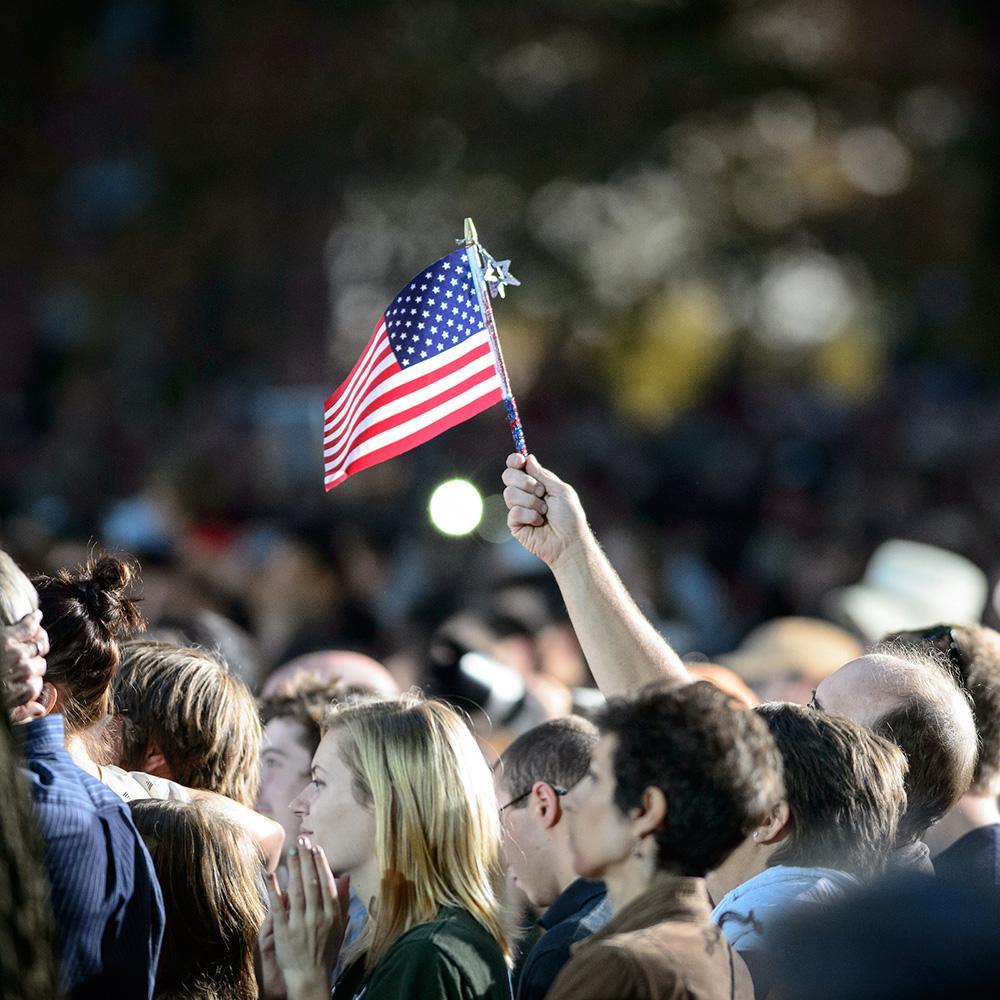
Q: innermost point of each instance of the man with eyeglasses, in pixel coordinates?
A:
(532, 778)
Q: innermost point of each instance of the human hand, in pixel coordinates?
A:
(272, 983)
(309, 921)
(544, 513)
(23, 647)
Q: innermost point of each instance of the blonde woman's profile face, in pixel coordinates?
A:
(331, 816)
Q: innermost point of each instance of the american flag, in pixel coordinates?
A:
(428, 366)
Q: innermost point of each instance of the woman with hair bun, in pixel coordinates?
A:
(86, 614)
(402, 802)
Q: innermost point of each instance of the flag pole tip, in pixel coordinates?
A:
(471, 236)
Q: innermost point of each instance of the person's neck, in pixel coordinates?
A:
(627, 881)
(562, 862)
(971, 812)
(365, 883)
(76, 747)
(745, 863)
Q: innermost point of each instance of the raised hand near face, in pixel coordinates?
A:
(309, 921)
(23, 647)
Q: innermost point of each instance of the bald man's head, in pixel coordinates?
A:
(354, 671)
(912, 698)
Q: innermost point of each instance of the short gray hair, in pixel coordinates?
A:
(15, 590)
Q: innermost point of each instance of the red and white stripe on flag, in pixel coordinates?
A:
(383, 409)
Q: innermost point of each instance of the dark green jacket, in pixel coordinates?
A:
(451, 958)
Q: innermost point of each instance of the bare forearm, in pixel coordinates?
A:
(267, 834)
(622, 647)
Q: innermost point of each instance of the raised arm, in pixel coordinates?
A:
(623, 649)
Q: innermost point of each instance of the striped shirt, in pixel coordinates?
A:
(105, 898)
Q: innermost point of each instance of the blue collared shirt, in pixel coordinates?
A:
(581, 909)
(747, 914)
(105, 898)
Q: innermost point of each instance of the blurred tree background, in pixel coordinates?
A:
(757, 241)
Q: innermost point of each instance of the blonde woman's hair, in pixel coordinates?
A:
(196, 710)
(416, 765)
(16, 590)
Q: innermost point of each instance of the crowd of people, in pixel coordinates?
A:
(182, 824)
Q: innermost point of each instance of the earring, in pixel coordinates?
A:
(756, 834)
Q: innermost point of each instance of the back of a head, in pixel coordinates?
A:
(845, 788)
(973, 651)
(87, 613)
(415, 763)
(201, 716)
(210, 873)
(357, 673)
(979, 665)
(934, 727)
(557, 751)
(717, 766)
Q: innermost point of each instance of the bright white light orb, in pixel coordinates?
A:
(456, 508)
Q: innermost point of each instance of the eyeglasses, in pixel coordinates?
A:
(942, 638)
(520, 798)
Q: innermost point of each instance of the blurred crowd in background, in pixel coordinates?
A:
(756, 327)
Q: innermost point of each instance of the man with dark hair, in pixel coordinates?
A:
(678, 779)
(966, 841)
(532, 776)
(835, 827)
(902, 696)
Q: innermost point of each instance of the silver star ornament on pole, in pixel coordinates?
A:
(497, 276)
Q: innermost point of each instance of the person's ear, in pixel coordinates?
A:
(651, 813)
(48, 697)
(777, 825)
(545, 802)
(155, 763)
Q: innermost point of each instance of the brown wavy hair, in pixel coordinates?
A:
(202, 716)
(210, 873)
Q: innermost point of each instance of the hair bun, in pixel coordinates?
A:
(103, 586)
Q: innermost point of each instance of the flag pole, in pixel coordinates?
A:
(482, 282)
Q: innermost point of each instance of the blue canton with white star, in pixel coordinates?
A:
(436, 311)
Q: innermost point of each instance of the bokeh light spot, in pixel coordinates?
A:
(455, 508)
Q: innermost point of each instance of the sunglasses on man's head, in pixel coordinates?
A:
(941, 637)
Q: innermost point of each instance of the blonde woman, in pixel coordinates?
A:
(401, 802)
